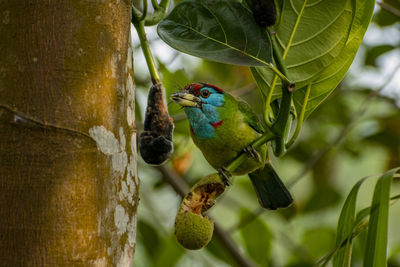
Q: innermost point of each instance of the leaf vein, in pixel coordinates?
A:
(315, 58)
(227, 45)
(219, 23)
(294, 29)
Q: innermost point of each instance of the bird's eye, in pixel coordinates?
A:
(205, 93)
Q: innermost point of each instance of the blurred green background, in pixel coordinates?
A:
(355, 133)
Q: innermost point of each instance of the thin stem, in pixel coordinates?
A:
(155, 4)
(150, 19)
(281, 74)
(139, 26)
(268, 101)
(164, 4)
(268, 136)
(287, 87)
(285, 52)
(282, 122)
(136, 15)
(158, 14)
(301, 117)
(145, 10)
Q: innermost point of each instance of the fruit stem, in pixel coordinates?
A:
(282, 125)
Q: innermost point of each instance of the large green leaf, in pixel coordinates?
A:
(311, 34)
(375, 251)
(219, 30)
(318, 54)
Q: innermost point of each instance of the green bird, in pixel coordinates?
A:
(222, 127)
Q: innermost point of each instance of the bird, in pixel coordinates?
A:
(222, 127)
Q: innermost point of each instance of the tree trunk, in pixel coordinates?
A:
(68, 178)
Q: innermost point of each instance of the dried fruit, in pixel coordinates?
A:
(155, 142)
(264, 12)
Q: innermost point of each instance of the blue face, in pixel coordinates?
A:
(201, 118)
(210, 96)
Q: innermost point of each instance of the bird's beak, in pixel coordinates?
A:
(186, 99)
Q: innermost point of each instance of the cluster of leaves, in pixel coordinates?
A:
(305, 233)
(270, 239)
(318, 41)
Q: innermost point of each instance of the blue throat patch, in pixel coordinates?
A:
(200, 119)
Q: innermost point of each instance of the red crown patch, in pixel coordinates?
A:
(195, 88)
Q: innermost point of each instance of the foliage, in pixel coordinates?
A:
(223, 31)
(338, 145)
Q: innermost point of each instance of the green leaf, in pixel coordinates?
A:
(218, 30)
(375, 251)
(257, 238)
(311, 34)
(322, 47)
(376, 51)
(330, 77)
(350, 226)
(345, 228)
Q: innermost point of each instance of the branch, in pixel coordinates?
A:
(389, 8)
(182, 188)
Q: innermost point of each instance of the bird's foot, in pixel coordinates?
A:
(226, 175)
(249, 150)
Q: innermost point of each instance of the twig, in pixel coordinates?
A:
(357, 115)
(389, 8)
(139, 26)
(181, 187)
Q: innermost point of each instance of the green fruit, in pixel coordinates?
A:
(193, 231)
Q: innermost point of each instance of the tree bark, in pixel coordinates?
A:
(68, 178)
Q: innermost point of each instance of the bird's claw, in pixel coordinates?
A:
(249, 150)
(225, 174)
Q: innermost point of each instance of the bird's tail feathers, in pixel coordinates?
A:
(271, 192)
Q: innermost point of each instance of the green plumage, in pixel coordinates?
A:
(235, 127)
(240, 127)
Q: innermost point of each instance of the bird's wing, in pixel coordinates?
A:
(250, 117)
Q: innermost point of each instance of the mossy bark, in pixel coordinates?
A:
(68, 178)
